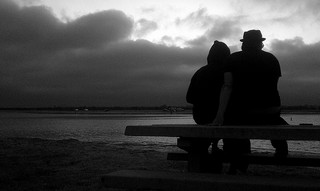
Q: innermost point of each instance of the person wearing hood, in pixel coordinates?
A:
(204, 94)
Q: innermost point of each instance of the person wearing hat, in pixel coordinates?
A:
(250, 96)
(203, 93)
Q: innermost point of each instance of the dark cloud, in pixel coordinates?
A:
(39, 28)
(300, 68)
(90, 61)
(126, 73)
(97, 29)
(25, 26)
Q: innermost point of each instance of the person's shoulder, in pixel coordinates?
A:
(201, 70)
(206, 67)
(232, 61)
(269, 55)
(235, 55)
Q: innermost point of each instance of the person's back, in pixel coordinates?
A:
(205, 85)
(250, 96)
(204, 92)
(255, 77)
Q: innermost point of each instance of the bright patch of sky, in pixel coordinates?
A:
(176, 22)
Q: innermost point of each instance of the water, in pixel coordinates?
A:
(110, 128)
(84, 127)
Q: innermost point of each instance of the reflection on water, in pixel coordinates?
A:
(84, 127)
(111, 127)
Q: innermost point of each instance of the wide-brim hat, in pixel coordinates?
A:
(252, 36)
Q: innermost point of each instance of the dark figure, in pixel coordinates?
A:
(204, 93)
(206, 83)
(250, 96)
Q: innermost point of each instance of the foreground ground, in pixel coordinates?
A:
(37, 164)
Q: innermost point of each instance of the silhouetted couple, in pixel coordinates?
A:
(238, 89)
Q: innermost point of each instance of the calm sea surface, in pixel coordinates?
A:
(110, 127)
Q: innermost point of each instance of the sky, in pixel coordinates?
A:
(144, 52)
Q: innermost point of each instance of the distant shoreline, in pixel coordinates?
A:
(299, 112)
(133, 112)
(98, 112)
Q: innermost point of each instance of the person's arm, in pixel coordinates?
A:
(224, 99)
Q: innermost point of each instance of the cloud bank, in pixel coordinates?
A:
(93, 61)
(89, 61)
(300, 64)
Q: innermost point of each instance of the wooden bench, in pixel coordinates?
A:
(276, 132)
(288, 132)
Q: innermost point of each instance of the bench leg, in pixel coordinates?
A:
(194, 162)
(199, 160)
(205, 163)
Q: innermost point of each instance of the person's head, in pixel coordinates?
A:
(218, 53)
(252, 40)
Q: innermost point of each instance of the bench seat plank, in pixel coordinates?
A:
(158, 180)
(276, 132)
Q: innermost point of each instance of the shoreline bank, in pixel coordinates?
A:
(137, 112)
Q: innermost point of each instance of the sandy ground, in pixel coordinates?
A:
(37, 164)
